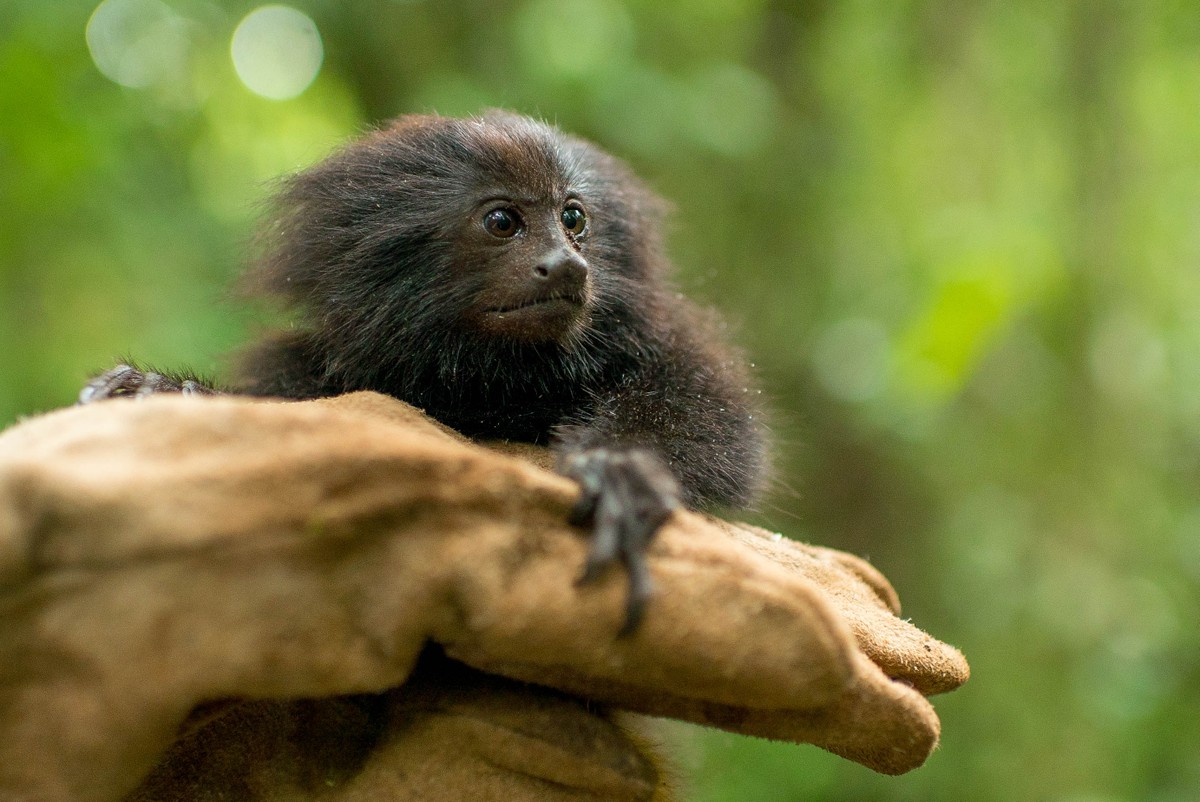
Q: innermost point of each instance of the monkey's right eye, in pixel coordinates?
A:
(502, 223)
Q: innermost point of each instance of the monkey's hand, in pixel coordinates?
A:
(126, 381)
(627, 494)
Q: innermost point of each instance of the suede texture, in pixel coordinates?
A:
(225, 598)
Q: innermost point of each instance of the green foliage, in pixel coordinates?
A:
(961, 241)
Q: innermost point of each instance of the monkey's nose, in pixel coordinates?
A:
(564, 269)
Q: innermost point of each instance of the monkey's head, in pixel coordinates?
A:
(461, 235)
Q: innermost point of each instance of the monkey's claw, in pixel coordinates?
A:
(126, 381)
(626, 496)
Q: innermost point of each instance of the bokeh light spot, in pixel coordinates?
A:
(277, 51)
(137, 43)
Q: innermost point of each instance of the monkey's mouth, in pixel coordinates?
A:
(562, 301)
(546, 317)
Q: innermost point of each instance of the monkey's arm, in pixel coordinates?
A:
(132, 381)
(676, 432)
(281, 366)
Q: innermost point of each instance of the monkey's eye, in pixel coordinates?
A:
(573, 220)
(502, 223)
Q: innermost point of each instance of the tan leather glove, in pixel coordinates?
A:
(161, 554)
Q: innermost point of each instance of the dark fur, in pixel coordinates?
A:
(557, 325)
(366, 250)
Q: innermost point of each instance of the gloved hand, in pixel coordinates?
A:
(157, 557)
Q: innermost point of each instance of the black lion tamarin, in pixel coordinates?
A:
(510, 281)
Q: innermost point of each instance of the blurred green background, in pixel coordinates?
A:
(960, 240)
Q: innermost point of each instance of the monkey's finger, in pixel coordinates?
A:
(586, 469)
(584, 510)
(192, 387)
(156, 383)
(121, 380)
(643, 509)
(641, 588)
(606, 537)
(645, 514)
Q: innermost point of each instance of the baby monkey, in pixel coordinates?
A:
(510, 281)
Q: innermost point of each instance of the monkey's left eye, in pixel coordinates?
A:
(573, 220)
(502, 223)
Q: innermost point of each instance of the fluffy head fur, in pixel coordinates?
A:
(381, 253)
(368, 248)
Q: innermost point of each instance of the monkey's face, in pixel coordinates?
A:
(497, 227)
(527, 254)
